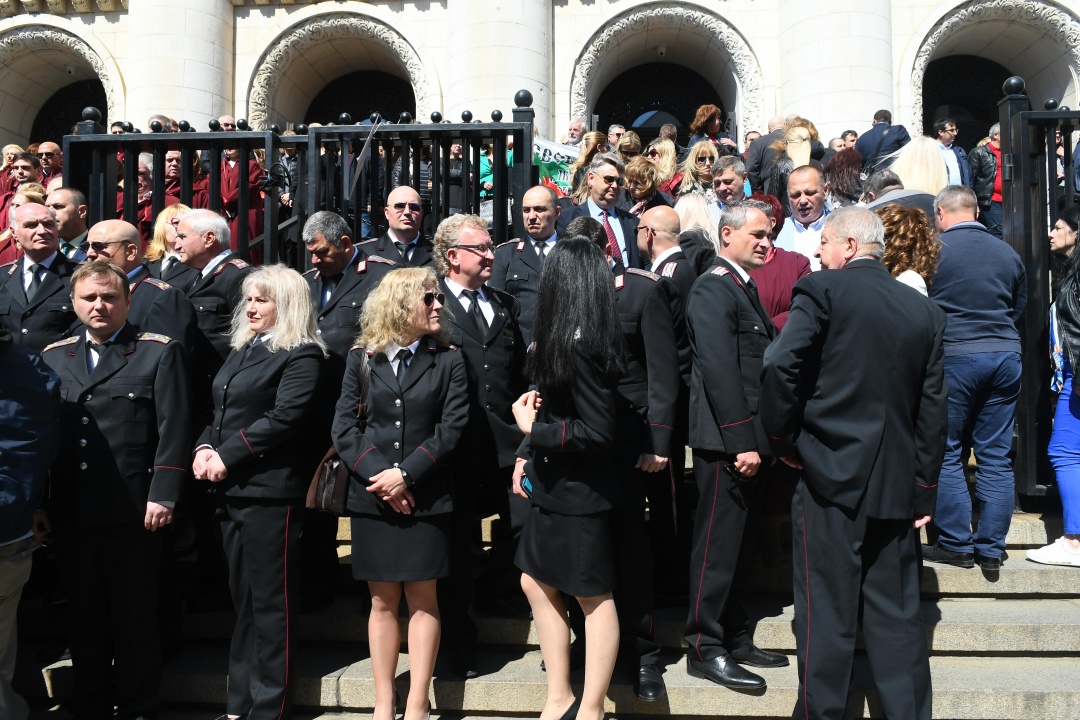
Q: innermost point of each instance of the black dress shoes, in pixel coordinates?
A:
(938, 554)
(571, 712)
(463, 664)
(724, 671)
(989, 564)
(649, 683)
(754, 656)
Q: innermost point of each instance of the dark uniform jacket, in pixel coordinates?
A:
(628, 222)
(179, 275)
(214, 298)
(651, 316)
(50, 316)
(494, 363)
(729, 331)
(125, 428)
(158, 307)
(569, 454)
(870, 430)
(698, 249)
(517, 271)
(676, 267)
(265, 426)
(414, 426)
(384, 247)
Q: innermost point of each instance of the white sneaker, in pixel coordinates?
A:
(1060, 553)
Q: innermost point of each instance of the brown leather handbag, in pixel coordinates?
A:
(329, 488)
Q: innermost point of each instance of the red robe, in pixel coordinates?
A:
(230, 201)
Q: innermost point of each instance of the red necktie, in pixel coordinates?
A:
(612, 241)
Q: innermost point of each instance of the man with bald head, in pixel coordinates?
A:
(658, 242)
(51, 159)
(35, 306)
(806, 192)
(402, 242)
(518, 262)
(156, 306)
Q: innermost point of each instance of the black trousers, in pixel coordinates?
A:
(260, 540)
(850, 570)
(725, 524)
(110, 574)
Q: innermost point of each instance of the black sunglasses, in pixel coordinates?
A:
(46, 155)
(99, 247)
(431, 297)
(413, 207)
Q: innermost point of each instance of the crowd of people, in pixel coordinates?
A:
(724, 302)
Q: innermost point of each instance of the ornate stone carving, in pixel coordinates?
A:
(1048, 19)
(28, 39)
(681, 17)
(275, 62)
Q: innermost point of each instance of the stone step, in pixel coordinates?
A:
(335, 677)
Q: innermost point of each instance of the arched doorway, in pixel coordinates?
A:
(60, 112)
(646, 97)
(300, 62)
(665, 35)
(360, 94)
(965, 88)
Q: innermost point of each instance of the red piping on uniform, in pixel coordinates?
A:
(738, 423)
(242, 435)
(433, 460)
(562, 441)
(705, 557)
(285, 690)
(362, 457)
(168, 467)
(660, 425)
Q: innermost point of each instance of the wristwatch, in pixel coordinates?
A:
(409, 482)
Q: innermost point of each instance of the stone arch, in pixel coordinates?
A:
(36, 60)
(384, 48)
(712, 38)
(957, 32)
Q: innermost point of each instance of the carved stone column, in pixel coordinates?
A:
(496, 49)
(180, 61)
(836, 63)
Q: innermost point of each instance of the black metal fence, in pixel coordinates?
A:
(347, 168)
(1037, 184)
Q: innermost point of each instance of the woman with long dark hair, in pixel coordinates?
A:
(1064, 447)
(566, 466)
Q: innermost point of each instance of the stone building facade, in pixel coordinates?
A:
(268, 60)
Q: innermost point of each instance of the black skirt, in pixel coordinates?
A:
(571, 553)
(400, 548)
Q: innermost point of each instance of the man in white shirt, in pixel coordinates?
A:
(806, 192)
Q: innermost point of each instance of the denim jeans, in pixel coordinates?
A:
(982, 398)
(992, 217)
(1064, 453)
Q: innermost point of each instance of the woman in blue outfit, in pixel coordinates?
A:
(1065, 441)
(566, 466)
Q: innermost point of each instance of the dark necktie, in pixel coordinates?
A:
(94, 353)
(751, 287)
(251, 347)
(612, 241)
(474, 309)
(402, 364)
(35, 281)
(328, 286)
(403, 248)
(541, 249)
(168, 265)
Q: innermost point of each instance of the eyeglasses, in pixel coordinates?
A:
(99, 247)
(431, 297)
(47, 155)
(652, 153)
(645, 227)
(412, 207)
(612, 180)
(704, 160)
(482, 248)
(228, 125)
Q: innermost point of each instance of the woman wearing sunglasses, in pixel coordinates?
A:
(697, 171)
(399, 454)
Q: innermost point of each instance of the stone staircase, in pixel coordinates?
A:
(1003, 647)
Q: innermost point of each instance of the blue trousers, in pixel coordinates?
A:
(992, 218)
(982, 399)
(1064, 453)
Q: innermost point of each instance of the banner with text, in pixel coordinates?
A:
(554, 160)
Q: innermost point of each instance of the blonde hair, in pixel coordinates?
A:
(33, 192)
(920, 166)
(389, 310)
(448, 235)
(589, 143)
(159, 244)
(4, 152)
(691, 173)
(667, 161)
(295, 324)
(693, 215)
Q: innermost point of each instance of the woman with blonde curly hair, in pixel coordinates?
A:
(9, 152)
(697, 171)
(401, 483)
(911, 247)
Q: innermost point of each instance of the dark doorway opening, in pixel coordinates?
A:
(59, 114)
(360, 94)
(647, 96)
(965, 88)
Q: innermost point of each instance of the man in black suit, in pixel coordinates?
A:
(881, 140)
(402, 242)
(35, 306)
(126, 427)
(484, 326)
(658, 244)
(868, 431)
(518, 262)
(729, 330)
(605, 181)
(760, 157)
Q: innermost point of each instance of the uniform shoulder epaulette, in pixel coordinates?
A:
(159, 284)
(61, 343)
(643, 273)
(311, 272)
(155, 337)
(357, 347)
(719, 271)
(10, 267)
(507, 242)
(235, 262)
(380, 259)
(669, 270)
(368, 241)
(620, 280)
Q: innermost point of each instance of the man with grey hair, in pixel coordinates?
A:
(483, 323)
(605, 182)
(729, 331)
(867, 431)
(574, 131)
(614, 133)
(985, 164)
(729, 180)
